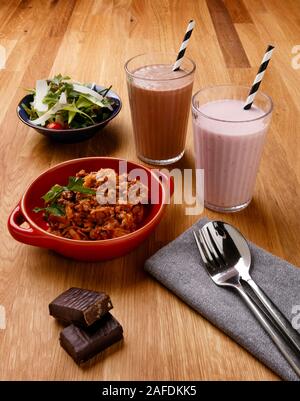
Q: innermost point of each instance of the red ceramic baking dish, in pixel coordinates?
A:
(35, 233)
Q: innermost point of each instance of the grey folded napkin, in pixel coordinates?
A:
(178, 267)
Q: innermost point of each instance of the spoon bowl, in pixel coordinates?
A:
(232, 245)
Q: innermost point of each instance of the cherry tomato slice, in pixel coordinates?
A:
(54, 125)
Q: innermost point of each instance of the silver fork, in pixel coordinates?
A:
(228, 276)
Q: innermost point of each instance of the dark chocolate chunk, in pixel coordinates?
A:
(79, 306)
(82, 344)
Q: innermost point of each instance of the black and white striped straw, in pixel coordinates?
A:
(259, 77)
(183, 46)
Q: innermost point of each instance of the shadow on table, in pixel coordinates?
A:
(121, 273)
(272, 228)
(254, 217)
(256, 222)
(103, 143)
(187, 161)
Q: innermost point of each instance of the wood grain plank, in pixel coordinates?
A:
(64, 9)
(252, 42)
(7, 8)
(256, 6)
(290, 23)
(232, 49)
(237, 11)
(265, 23)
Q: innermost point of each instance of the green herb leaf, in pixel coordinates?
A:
(53, 193)
(76, 184)
(55, 209)
(38, 209)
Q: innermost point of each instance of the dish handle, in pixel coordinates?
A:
(27, 235)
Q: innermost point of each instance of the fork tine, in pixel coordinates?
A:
(206, 247)
(209, 244)
(214, 247)
(206, 250)
(203, 257)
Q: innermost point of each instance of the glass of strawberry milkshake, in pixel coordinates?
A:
(228, 143)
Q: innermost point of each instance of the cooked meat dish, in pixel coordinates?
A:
(95, 206)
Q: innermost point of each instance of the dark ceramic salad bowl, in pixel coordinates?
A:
(72, 134)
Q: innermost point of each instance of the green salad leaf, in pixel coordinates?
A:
(51, 99)
(83, 102)
(74, 109)
(71, 115)
(86, 100)
(60, 78)
(30, 111)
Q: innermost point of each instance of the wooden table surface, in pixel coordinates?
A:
(90, 41)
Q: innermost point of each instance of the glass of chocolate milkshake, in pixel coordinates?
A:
(159, 100)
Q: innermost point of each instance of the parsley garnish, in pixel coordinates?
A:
(75, 184)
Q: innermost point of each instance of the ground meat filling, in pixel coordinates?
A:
(86, 219)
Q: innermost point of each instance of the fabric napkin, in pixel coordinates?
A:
(178, 267)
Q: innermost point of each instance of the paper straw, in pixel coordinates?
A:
(183, 46)
(259, 77)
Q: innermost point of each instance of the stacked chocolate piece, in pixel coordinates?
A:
(91, 328)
